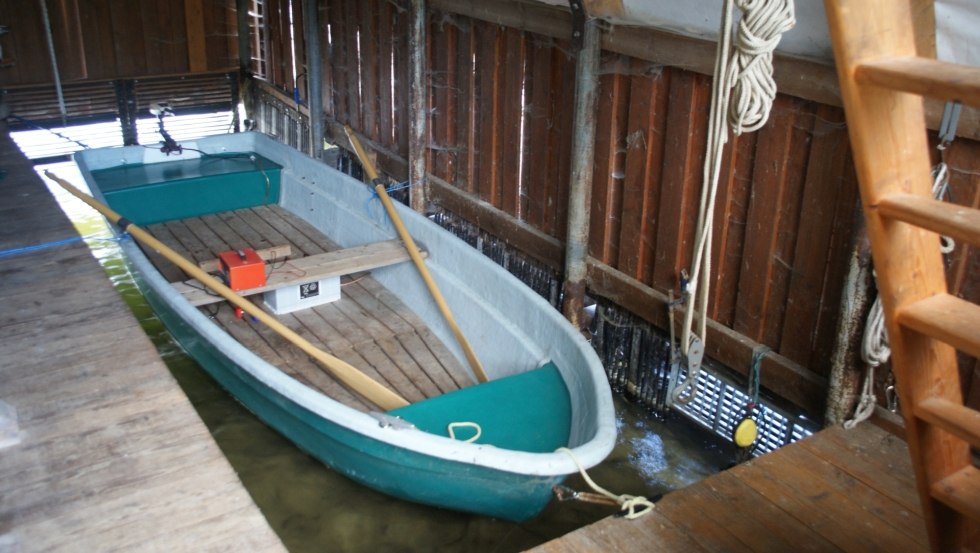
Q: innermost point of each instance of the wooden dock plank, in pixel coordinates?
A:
(832, 492)
(111, 455)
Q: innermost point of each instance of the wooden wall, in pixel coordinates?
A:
(499, 131)
(107, 39)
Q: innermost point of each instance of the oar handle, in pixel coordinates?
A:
(413, 252)
(346, 373)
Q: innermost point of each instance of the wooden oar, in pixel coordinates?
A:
(413, 251)
(349, 375)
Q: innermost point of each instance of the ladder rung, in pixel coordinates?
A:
(954, 418)
(923, 76)
(947, 318)
(956, 221)
(961, 491)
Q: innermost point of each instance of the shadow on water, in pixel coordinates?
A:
(312, 508)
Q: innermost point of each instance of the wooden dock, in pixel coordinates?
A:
(836, 491)
(111, 454)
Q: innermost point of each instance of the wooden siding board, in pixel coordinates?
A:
(464, 91)
(339, 61)
(729, 225)
(772, 212)
(511, 146)
(490, 38)
(326, 62)
(815, 231)
(848, 232)
(384, 44)
(370, 69)
(100, 51)
(610, 154)
(129, 43)
(540, 157)
(644, 158)
(402, 81)
(352, 27)
(441, 37)
(686, 135)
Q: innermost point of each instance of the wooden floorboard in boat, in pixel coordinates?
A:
(111, 454)
(836, 491)
(369, 327)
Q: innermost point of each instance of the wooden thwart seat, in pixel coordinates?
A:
(311, 268)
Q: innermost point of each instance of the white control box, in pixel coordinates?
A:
(303, 296)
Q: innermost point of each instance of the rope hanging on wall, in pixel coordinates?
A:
(741, 96)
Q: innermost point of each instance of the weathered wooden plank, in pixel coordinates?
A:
(878, 459)
(830, 499)
(686, 136)
(464, 90)
(386, 58)
(770, 232)
(188, 245)
(610, 148)
(370, 68)
(644, 161)
(731, 209)
(489, 106)
(302, 234)
(511, 120)
(352, 28)
(197, 55)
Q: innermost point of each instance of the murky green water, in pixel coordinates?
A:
(315, 509)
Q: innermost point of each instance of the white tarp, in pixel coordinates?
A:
(958, 31)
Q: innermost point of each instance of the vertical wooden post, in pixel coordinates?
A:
(417, 169)
(197, 51)
(583, 157)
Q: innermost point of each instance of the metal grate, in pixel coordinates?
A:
(719, 405)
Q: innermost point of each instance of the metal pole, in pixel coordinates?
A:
(54, 63)
(583, 157)
(417, 126)
(311, 28)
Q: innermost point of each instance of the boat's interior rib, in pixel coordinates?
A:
(368, 327)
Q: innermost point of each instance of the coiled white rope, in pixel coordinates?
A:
(744, 71)
(634, 505)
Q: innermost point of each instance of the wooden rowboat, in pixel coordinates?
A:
(546, 389)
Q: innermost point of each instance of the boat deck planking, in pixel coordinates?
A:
(368, 327)
(836, 491)
(112, 456)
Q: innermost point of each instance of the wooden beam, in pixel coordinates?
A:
(780, 375)
(197, 52)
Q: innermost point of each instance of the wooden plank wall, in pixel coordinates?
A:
(104, 39)
(500, 127)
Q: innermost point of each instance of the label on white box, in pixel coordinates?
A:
(303, 296)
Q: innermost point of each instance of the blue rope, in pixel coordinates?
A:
(374, 196)
(27, 249)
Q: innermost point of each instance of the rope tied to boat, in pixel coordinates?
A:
(631, 506)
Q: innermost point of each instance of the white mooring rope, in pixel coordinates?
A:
(741, 96)
(634, 505)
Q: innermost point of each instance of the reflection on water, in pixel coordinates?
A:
(315, 509)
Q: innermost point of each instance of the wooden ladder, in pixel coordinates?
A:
(882, 83)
